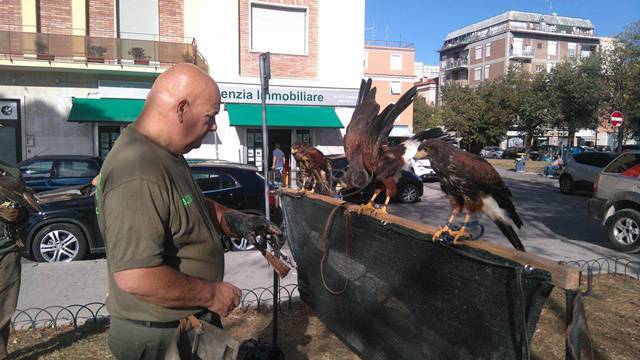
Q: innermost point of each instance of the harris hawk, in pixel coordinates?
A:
(472, 185)
(313, 165)
(371, 158)
(14, 191)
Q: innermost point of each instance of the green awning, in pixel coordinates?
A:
(284, 116)
(106, 110)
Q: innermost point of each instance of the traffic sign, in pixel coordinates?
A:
(616, 118)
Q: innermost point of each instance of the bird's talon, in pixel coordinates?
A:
(439, 234)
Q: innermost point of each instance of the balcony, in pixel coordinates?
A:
(521, 53)
(62, 48)
(456, 64)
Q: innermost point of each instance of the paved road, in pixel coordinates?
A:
(557, 226)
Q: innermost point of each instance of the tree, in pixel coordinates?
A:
(477, 115)
(621, 69)
(534, 109)
(579, 89)
(425, 116)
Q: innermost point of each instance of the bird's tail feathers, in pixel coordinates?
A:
(511, 235)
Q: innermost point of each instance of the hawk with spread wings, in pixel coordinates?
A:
(370, 157)
(472, 185)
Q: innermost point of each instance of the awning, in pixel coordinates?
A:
(106, 110)
(284, 116)
(400, 131)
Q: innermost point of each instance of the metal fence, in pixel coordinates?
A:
(77, 315)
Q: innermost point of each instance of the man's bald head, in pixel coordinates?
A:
(180, 108)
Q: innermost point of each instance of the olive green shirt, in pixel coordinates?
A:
(151, 212)
(8, 238)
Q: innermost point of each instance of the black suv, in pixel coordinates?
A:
(50, 172)
(67, 228)
(410, 187)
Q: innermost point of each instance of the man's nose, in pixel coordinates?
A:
(213, 127)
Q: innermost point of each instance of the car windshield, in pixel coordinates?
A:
(625, 165)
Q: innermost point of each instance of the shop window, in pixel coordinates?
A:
(278, 29)
(303, 136)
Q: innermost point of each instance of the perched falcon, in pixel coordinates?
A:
(13, 191)
(370, 157)
(313, 165)
(472, 184)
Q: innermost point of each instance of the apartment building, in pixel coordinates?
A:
(71, 70)
(536, 42)
(391, 67)
(485, 50)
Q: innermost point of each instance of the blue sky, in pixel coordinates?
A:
(426, 22)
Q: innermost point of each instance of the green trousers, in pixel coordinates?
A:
(9, 289)
(131, 341)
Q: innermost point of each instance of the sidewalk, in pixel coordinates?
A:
(84, 282)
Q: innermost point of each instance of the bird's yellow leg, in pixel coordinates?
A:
(383, 209)
(303, 181)
(369, 206)
(445, 229)
(313, 185)
(462, 234)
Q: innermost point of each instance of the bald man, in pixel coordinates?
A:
(164, 254)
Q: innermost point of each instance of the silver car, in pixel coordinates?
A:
(616, 201)
(491, 152)
(581, 170)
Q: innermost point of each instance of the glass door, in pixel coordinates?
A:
(107, 136)
(10, 145)
(254, 148)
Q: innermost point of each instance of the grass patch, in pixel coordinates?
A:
(613, 312)
(509, 164)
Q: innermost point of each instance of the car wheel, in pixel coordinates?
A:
(566, 185)
(623, 228)
(408, 194)
(59, 243)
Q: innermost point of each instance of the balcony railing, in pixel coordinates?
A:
(521, 53)
(389, 43)
(93, 49)
(455, 64)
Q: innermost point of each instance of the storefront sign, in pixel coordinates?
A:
(250, 94)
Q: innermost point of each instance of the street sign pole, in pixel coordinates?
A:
(265, 75)
(617, 120)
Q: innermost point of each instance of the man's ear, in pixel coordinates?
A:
(181, 108)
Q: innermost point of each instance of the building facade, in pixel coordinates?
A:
(485, 51)
(536, 42)
(60, 58)
(316, 49)
(391, 67)
(77, 71)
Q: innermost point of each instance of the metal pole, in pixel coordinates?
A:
(265, 75)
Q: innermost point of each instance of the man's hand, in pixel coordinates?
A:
(10, 213)
(248, 226)
(226, 297)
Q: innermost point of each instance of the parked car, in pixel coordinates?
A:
(410, 187)
(422, 168)
(616, 201)
(50, 172)
(67, 227)
(581, 170)
(491, 152)
(512, 152)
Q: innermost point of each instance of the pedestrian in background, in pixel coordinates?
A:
(277, 163)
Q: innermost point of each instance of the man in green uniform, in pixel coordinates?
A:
(164, 254)
(11, 217)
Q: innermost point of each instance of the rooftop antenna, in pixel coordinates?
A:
(386, 33)
(549, 2)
